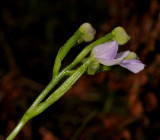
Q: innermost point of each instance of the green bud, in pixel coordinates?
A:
(93, 67)
(132, 55)
(88, 32)
(120, 35)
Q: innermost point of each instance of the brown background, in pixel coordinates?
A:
(122, 105)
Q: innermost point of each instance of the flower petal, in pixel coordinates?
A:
(133, 65)
(122, 54)
(110, 62)
(105, 51)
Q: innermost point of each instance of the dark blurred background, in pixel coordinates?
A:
(114, 105)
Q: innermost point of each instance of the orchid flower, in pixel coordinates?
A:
(106, 54)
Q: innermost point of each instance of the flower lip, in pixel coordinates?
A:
(106, 54)
(133, 65)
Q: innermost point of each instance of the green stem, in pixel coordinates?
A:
(48, 88)
(20, 125)
(64, 50)
(26, 117)
(62, 89)
(37, 107)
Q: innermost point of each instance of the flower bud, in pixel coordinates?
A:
(88, 32)
(120, 35)
(131, 55)
(93, 67)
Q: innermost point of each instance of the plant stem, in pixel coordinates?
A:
(48, 88)
(64, 50)
(43, 94)
(62, 89)
(37, 107)
(19, 126)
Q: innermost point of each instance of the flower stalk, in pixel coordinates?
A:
(91, 64)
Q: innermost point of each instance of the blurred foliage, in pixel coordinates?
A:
(120, 105)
